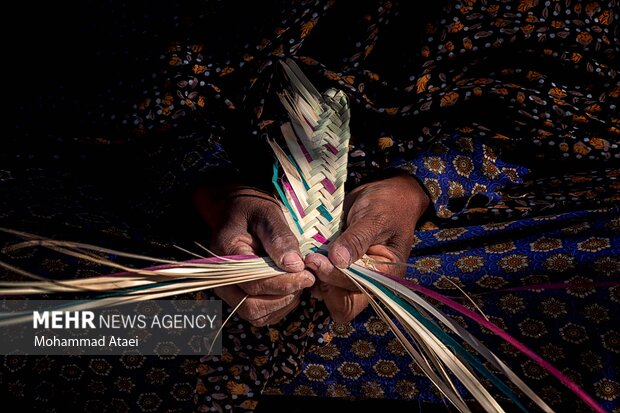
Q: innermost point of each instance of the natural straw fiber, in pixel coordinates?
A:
(317, 138)
(309, 177)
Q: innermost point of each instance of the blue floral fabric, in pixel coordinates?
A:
(551, 282)
(454, 169)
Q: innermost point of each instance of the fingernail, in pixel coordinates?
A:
(312, 266)
(343, 256)
(308, 281)
(292, 262)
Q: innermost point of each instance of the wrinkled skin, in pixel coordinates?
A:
(249, 222)
(380, 221)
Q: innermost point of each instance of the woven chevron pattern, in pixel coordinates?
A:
(315, 167)
(309, 177)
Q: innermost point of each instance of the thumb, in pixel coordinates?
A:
(353, 243)
(278, 240)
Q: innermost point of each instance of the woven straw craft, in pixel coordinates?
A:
(312, 194)
(317, 138)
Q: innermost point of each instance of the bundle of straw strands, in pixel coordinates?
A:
(309, 177)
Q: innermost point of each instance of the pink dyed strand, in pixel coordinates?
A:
(327, 184)
(293, 196)
(503, 334)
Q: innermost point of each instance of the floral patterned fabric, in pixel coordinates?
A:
(500, 77)
(506, 111)
(550, 281)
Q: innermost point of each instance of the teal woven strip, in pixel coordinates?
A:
(321, 207)
(447, 340)
(283, 197)
(301, 175)
(325, 213)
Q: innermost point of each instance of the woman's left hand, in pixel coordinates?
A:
(380, 220)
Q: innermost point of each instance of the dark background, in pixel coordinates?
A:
(65, 57)
(73, 68)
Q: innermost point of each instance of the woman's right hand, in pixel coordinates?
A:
(247, 221)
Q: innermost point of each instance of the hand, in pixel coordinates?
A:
(380, 220)
(249, 222)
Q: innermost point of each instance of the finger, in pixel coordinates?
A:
(325, 272)
(255, 309)
(386, 261)
(353, 243)
(277, 239)
(386, 267)
(231, 294)
(315, 292)
(278, 315)
(344, 305)
(281, 285)
(233, 239)
(318, 288)
(258, 310)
